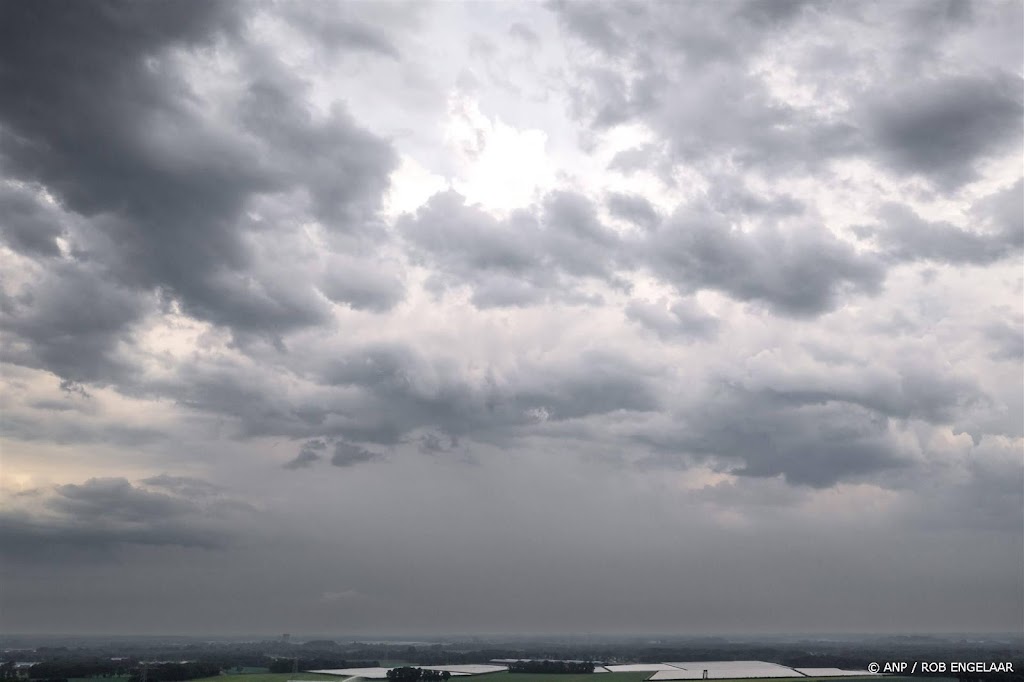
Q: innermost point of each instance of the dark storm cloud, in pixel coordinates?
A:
(808, 442)
(385, 393)
(466, 239)
(684, 74)
(103, 514)
(404, 391)
(633, 208)
(343, 168)
(70, 321)
(800, 273)
(819, 427)
(27, 225)
(98, 113)
(683, 320)
(531, 256)
(213, 197)
(349, 454)
(310, 453)
(912, 391)
(731, 197)
(363, 286)
(904, 235)
(941, 127)
(689, 75)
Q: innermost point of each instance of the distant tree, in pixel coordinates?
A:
(552, 667)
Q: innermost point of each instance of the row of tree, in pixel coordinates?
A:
(408, 674)
(287, 665)
(175, 672)
(552, 667)
(80, 668)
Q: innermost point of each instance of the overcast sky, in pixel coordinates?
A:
(695, 317)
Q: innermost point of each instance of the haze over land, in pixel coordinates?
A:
(690, 317)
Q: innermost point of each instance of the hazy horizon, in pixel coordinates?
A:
(395, 317)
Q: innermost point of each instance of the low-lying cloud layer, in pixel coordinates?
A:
(574, 316)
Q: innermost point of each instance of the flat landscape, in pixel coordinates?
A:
(524, 677)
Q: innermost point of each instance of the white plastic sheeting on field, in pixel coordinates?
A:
(469, 669)
(723, 670)
(367, 673)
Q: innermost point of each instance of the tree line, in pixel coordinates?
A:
(175, 672)
(286, 665)
(552, 667)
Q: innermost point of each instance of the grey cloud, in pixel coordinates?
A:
(646, 157)
(524, 259)
(466, 239)
(385, 393)
(816, 427)
(808, 443)
(54, 429)
(523, 32)
(904, 235)
(186, 486)
(1007, 340)
(589, 21)
(211, 217)
(684, 74)
(342, 167)
(349, 454)
(1003, 212)
(55, 405)
(731, 197)
(343, 29)
(405, 392)
(991, 494)
(170, 216)
(104, 514)
(633, 208)
(688, 73)
(941, 127)
(799, 273)
(600, 384)
(574, 237)
(115, 499)
(363, 285)
(432, 443)
(683, 320)
(498, 290)
(772, 13)
(70, 322)
(27, 225)
(913, 391)
(310, 453)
